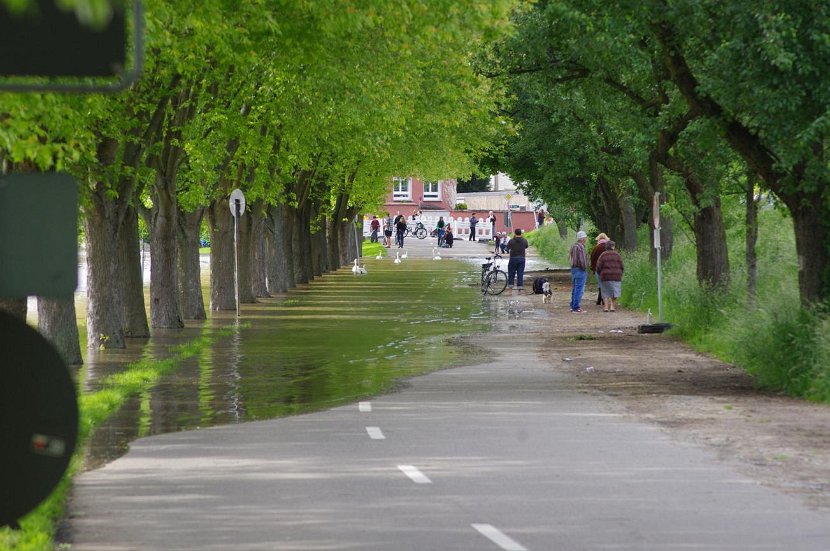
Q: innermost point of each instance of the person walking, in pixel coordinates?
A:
(579, 270)
(374, 225)
(473, 222)
(610, 270)
(388, 228)
(400, 227)
(517, 248)
(598, 249)
(448, 236)
(540, 218)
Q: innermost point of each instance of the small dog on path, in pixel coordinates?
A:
(547, 293)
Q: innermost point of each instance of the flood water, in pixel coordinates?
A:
(339, 339)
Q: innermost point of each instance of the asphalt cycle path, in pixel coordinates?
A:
(504, 454)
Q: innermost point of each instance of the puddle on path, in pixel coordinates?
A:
(339, 339)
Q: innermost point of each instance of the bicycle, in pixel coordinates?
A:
(418, 230)
(493, 279)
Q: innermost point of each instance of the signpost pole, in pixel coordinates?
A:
(236, 254)
(658, 247)
(237, 204)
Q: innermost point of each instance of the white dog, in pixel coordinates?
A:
(547, 293)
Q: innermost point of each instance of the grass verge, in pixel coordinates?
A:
(786, 347)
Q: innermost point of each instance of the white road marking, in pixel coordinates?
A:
(375, 433)
(364, 407)
(417, 476)
(499, 538)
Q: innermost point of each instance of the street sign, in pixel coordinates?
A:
(38, 235)
(84, 49)
(237, 195)
(655, 209)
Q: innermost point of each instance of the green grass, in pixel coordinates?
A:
(546, 240)
(371, 249)
(786, 347)
(38, 527)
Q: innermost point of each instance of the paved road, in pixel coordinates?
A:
(498, 455)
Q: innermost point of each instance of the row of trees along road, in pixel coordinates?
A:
(308, 107)
(691, 98)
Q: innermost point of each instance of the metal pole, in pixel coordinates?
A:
(657, 245)
(356, 242)
(236, 255)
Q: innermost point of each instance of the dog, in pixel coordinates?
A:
(547, 293)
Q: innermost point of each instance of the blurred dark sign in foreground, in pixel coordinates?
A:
(38, 419)
(97, 47)
(46, 40)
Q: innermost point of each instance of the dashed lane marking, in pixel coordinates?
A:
(499, 538)
(364, 407)
(375, 433)
(413, 473)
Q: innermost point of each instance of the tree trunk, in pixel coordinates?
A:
(280, 270)
(334, 245)
(105, 301)
(628, 239)
(57, 322)
(710, 232)
(246, 295)
(189, 265)
(258, 256)
(300, 244)
(132, 277)
(712, 256)
(606, 206)
(164, 286)
(811, 220)
(15, 306)
(222, 293)
(562, 227)
(751, 239)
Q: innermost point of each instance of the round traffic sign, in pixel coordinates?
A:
(237, 196)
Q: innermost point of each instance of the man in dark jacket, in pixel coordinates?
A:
(517, 248)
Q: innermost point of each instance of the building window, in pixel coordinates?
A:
(432, 191)
(401, 189)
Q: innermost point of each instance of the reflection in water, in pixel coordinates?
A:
(325, 344)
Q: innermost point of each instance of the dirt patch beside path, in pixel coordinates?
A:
(779, 441)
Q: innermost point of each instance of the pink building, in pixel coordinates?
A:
(410, 194)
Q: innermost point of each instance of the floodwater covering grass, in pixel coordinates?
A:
(786, 347)
(339, 339)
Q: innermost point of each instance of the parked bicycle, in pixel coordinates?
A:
(418, 230)
(493, 278)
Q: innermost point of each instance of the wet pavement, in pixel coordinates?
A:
(505, 452)
(321, 345)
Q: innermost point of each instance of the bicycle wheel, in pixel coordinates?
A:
(421, 232)
(495, 283)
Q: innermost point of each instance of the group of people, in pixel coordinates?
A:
(501, 240)
(606, 264)
(396, 225)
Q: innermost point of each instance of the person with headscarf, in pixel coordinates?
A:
(610, 269)
(598, 249)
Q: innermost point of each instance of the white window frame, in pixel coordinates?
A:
(398, 191)
(432, 195)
